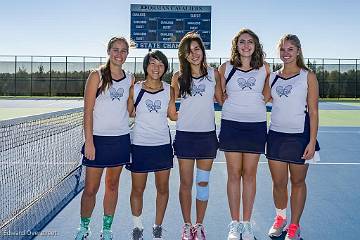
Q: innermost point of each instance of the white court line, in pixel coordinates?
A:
(38, 163)
(318, 163)
(320, 131)
(345, 163)
(215, 162)
(327, 131)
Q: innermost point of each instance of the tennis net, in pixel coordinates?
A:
(40, 170)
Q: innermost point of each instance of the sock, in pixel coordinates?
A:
(107, 222)
(84, 222)
(137, 222)
(281, 212)
(155, 225)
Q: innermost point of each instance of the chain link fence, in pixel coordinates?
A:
(66, 75)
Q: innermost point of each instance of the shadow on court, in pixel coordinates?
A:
(282, 237)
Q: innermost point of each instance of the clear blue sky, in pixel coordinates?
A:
(329, 29)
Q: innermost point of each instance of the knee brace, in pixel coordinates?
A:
(202, 192)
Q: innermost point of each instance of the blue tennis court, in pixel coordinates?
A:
(331, 212)
(333, 197)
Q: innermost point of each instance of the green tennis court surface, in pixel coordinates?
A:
(331, 114)
(27, 107)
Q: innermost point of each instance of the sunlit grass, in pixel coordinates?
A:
(331, 118)
(348, 118)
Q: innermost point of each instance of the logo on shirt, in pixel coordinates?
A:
(153, 106)
(283, 91)
(197, 89)
(246, 83)
(116, 93)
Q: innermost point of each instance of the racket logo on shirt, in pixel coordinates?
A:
(198, 89)
(116, 93)
(246, 83)
(153, 106)
(283, 91)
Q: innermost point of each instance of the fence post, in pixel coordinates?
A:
(50, 77)
(84, 76)
(66, 76)
(31, 76)
(356, 78)
(339, 81)
(15, 74)
(323, 76)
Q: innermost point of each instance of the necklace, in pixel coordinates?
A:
(153, 88)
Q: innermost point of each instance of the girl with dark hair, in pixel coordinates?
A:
(243, 126)
(152, 101)
(292, 134)
(107, 139)
(195, 139)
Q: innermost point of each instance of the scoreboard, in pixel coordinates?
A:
(163, 26)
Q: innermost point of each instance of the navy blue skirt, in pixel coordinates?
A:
(110, 151)
(246, 137)
(289, 147)
(150, 158)
(195, 145)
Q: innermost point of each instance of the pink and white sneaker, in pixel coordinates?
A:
(278, 227)
(187, 232)
(199, 232)
(293, 232)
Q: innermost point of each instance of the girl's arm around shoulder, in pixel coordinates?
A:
(175, 84)
(218, 88)
(130, 102)
(267, 90)
(171, 112)
(132, 79)
(221, 70)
